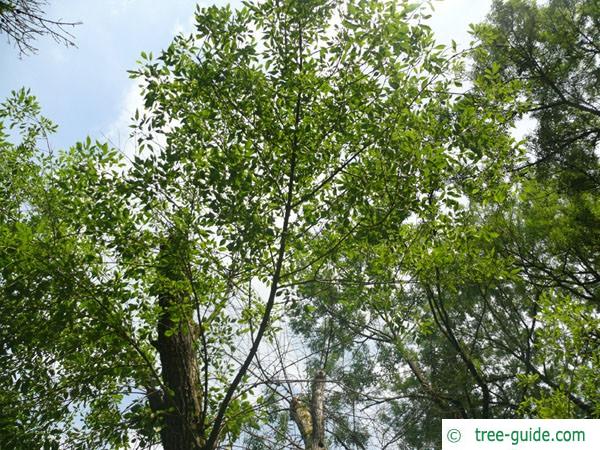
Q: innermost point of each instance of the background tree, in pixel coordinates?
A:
(552, 48)
(23, 21)
(68, 339)
(463, 330)
(552, 235)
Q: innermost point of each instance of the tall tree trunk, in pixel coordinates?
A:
(181, 406)
(310, 418)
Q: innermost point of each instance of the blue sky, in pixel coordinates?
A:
(87, 91)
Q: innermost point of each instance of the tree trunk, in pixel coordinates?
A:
(311, 421)
(317, 411)
(181, 406)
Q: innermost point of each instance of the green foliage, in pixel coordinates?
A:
(552, 235)
(309, 166)
(568, 346)
(456, 306)
(62, 316)
(551, 48)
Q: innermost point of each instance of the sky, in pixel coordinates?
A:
(87, 91)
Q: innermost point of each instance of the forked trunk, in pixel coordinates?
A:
(310, 418)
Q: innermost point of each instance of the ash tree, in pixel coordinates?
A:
(276, 140)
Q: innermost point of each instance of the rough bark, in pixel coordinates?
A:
(181, 407)
(311, 420)
(317, 411)
(301, 416)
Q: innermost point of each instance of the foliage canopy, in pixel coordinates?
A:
(312, 169)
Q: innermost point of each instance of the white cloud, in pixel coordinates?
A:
(119, 132)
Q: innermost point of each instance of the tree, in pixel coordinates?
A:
(553, 50)
(476, 321)
(280, 142)
(470, 330)
(23, 21)
(552, 235)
